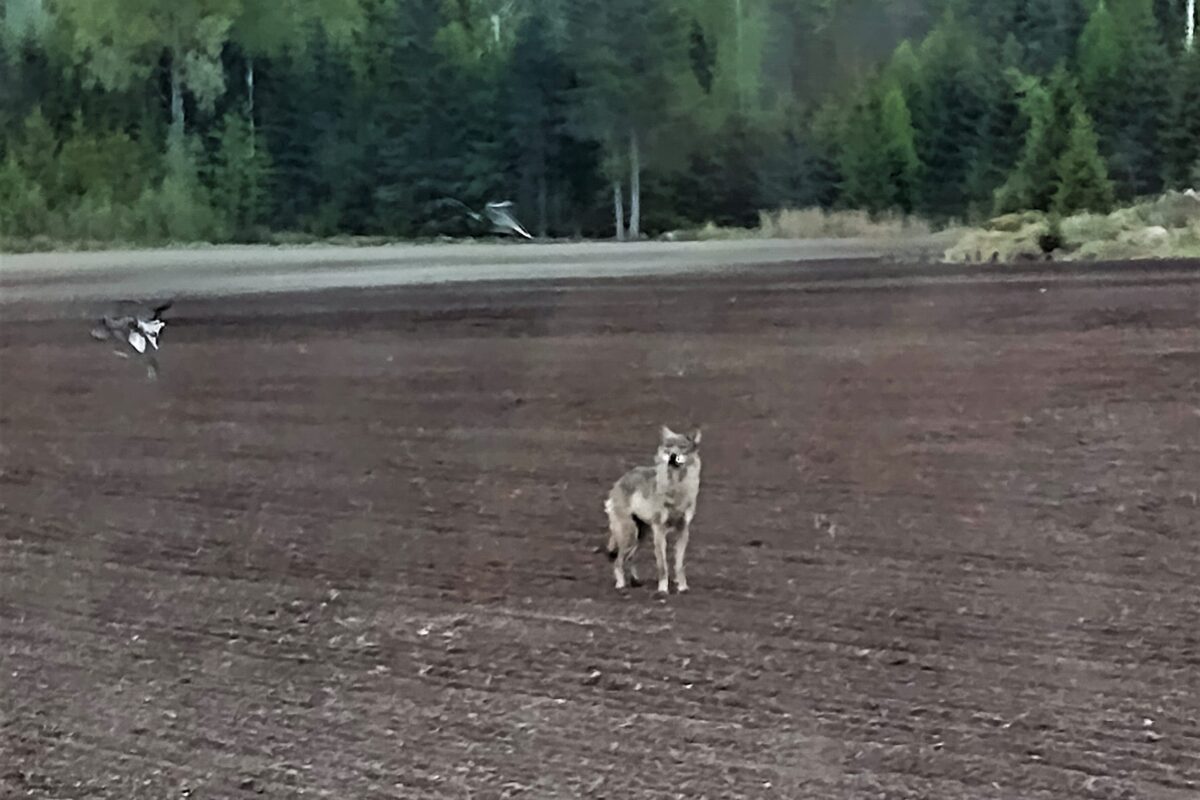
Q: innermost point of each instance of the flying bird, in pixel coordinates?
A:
(498, 214)
(134, 327)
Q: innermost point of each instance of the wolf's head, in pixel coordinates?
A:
(677, 450)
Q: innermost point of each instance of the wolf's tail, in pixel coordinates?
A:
(611, 547)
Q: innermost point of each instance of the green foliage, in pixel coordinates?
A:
(122, 41)
(1099, 53)
(1000, 134)
(239, 174)
(34, 148)
(634, 79)
(878, 157)
(950, 108)
(24, 211)
(1081, 180)
(899, 148)
(365, 117)
(101, 187)
(1182, 133)
(178, 209)
(1123, 68)
(111, 162)
(1048, 31)
(1028, 185)
(1049, 109)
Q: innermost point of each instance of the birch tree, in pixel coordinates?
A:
(631, 59)
(121, 42)
(1189, 24)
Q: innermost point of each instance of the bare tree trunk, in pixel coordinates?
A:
(250, 100)
(1189, 38)
(177, 120)
(635, 188)
(618, 211)
(541, 204)
(737, 44)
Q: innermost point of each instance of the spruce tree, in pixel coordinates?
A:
(1030, 184)
(949, 108)
(240, 171)
(1081, 180)
(878, 156)
(1098, 57)
(1048, 29)
(1182, 133)
(899, 148)
(865, 182)
(1131, 103)
(1000, 131)
(537, 81)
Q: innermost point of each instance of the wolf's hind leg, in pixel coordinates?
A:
(622, 539)
(634, 580)
(642, 529)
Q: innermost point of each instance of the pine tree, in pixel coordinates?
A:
(899, 148)
(1182, 134)
(537, 83)
(865, 179)
(1000, 131)
(1030, 184)
(314, 127)
(1098, 56)
(1081, 180)
(1124, 66)
(1048, 29)
(240, 173)
(439, 119)
(949, 109)
(878, 157)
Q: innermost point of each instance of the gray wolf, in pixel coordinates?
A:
(659, 499)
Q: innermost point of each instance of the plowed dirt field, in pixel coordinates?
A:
(948, 543)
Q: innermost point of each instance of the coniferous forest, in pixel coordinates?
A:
(232, 120)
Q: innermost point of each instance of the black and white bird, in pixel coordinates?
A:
(498, 214)
(135, 327)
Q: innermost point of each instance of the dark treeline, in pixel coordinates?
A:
(140, 120)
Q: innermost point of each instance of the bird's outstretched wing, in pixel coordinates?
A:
(475, 215)
(516, 226)
(158, 310)
(137, 341)
(498, 213)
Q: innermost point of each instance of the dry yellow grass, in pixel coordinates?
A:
(1167, 226)
(814, 223)
(817, 223)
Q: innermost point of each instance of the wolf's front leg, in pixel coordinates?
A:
(680, 550)
(660, 556)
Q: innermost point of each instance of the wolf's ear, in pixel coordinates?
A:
(667, 433)
(695, 437)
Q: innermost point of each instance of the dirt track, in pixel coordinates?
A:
(947, 545)
(257, 269)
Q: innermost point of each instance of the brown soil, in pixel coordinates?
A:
(947, 544)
